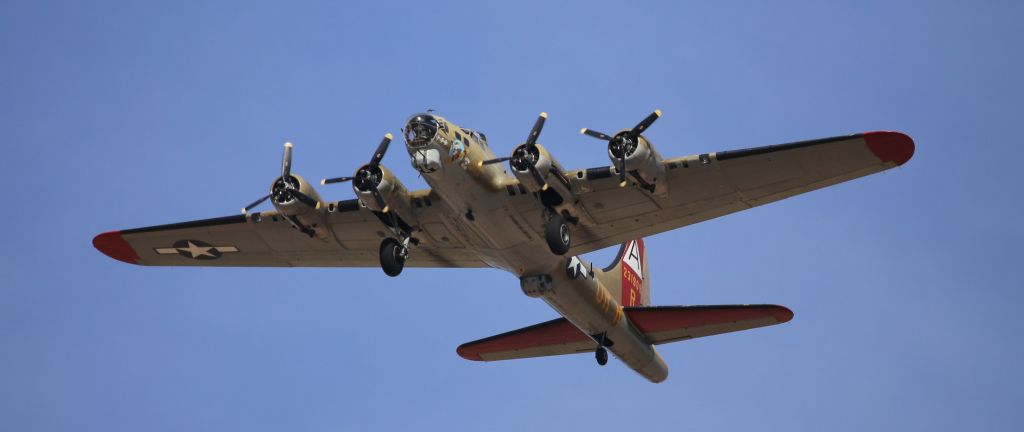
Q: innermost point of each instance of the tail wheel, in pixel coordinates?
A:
(392, 257)
(557, 234)
(602, 356)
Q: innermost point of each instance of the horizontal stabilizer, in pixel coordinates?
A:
(664, 324)
(658, 324)
(555, 337)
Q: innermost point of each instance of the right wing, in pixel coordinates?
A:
(657, 324)
(267, 240)
(707, 186)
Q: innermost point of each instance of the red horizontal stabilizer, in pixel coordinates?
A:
(659, 324)
(662, 324)
(554, 337)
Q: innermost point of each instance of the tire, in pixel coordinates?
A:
(557, 234)
(391, 260)
(602, 356)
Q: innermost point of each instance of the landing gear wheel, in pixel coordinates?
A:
(602, 356)
(556, 232)
(392, 257)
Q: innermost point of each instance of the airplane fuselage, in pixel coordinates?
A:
(450, 162)
(475, 195)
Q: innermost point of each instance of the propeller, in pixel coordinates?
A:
(526, 155)
(285, 187)
(369, 176)
(624, 143)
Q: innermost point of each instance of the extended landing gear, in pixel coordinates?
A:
(602, 353)
(602, 356)
(556, 232)
(392, 256)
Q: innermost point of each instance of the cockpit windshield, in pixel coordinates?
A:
(420, 129)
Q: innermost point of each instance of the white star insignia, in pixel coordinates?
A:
(197, 251)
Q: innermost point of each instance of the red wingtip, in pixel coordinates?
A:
(783, 314)
(113, 245)
(467, 354)
(894, 147)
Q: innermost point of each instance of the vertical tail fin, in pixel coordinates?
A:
(628, 277)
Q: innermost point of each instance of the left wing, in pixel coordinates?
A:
(267, 240)
(658, 325)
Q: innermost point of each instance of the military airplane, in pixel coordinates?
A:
(534, 223)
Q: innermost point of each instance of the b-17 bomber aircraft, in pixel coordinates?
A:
(535, 223)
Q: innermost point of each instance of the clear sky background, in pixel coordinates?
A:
(906, 285)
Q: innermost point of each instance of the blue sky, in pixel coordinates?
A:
(906, 285)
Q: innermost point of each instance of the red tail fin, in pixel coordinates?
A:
(628, 277)
(633, 275)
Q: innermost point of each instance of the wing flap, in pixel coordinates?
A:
(664, 324)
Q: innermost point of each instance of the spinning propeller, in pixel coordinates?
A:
(526, 155)
(368, 176)
(624, 143)
(286, 187)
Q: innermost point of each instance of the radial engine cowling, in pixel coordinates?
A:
(290, 204)
(302, 207)
(393, 196)
(539, 158)
(644, 161)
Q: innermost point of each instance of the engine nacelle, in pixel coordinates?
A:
(541, 160)
(558, 195)
(548, 168)
(303, 215)
(645, 162)
(394, 193)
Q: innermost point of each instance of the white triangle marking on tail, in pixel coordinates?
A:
(633, 258)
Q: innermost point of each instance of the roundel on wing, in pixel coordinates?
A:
(196, 249)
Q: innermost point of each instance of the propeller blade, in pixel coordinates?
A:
(622, 171)
(379, 199)
(305, 199)
(595, 134)
(644, 124)
(535, 132)
(381, 149)
(493, 161)
(254, 204)
(537, 177)
(336, 180)
(286, 161)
